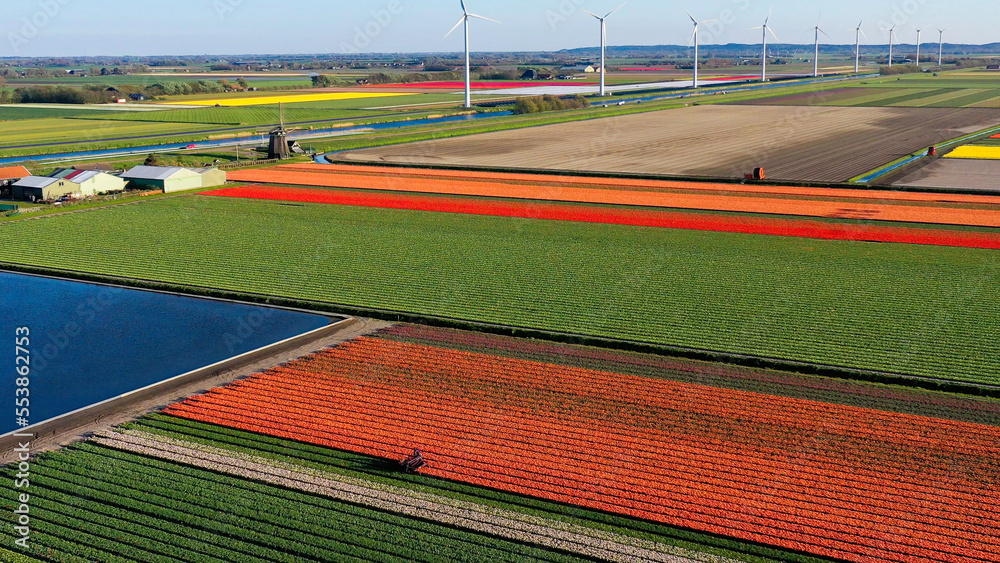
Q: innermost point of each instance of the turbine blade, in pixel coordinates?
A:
(464, 9)
(769, 12)
(460, 22)
(710, 21)
(825, 33)
(694, 21)
(772, 34)
(593, 14)
(758, 27)
(863, 33)
(820, 18)
(693, 35)
(483, 18)
(616, 9)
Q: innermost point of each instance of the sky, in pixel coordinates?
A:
(47, 28)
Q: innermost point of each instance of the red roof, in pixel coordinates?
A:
(74, 174)
(14, 173)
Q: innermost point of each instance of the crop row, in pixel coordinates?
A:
(825, 503)
(125, 505)
(827, 302)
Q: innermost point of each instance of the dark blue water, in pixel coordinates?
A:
(89, 343)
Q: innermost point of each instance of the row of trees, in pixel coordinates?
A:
(538, 104)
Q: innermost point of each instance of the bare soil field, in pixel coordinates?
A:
(820, 144)
(955, 173)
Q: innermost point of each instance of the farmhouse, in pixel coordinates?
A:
(169, 179)
(37, 188)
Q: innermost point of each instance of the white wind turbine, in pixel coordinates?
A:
(465, 19)
(765, 30)
(941, 45)
(816, 57)
(694, 38)
(604, 40)
(918, 43)
(892, 33)
(857, 47)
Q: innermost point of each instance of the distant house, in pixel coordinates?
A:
(992, 67)
(168, 179)
(39, 188)
(137, 97)
(530, 75)
(544, 76)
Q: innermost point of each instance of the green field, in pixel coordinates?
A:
(908, 309)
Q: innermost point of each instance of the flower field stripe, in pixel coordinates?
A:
(490, 520)
(566, 443)
(288, 99)
(395, 175)
(975, 153)
(722, 485)
(960, 520)
(631, 217)
(646, 365)
(746, 202)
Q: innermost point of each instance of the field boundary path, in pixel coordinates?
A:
(462, 514)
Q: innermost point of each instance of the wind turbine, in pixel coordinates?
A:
(816, 57)
(918, 43)
(695, 39)
(765, 31)
(468, 70)
(941, 45)
(892, 33)
(604, 40)
(857, 48)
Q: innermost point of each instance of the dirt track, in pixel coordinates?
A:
(823, 144)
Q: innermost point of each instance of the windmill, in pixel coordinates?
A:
(892, 34)
(816, 57)
(857, 47)
(465, 19)
(604, 40)
(765, 30)
(918, 43)
(941, 45)
(694, 38)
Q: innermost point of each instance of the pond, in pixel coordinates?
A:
(87, 343)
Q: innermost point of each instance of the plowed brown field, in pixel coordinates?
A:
(808, 143)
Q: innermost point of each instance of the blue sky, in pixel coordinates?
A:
(195, 27)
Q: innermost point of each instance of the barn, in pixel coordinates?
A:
(211, 177)
(169, 179)
(92, 182)
(39, 188)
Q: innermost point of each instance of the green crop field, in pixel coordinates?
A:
(93, 503)
(909, 309)
(15, 113)
(53, 130)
